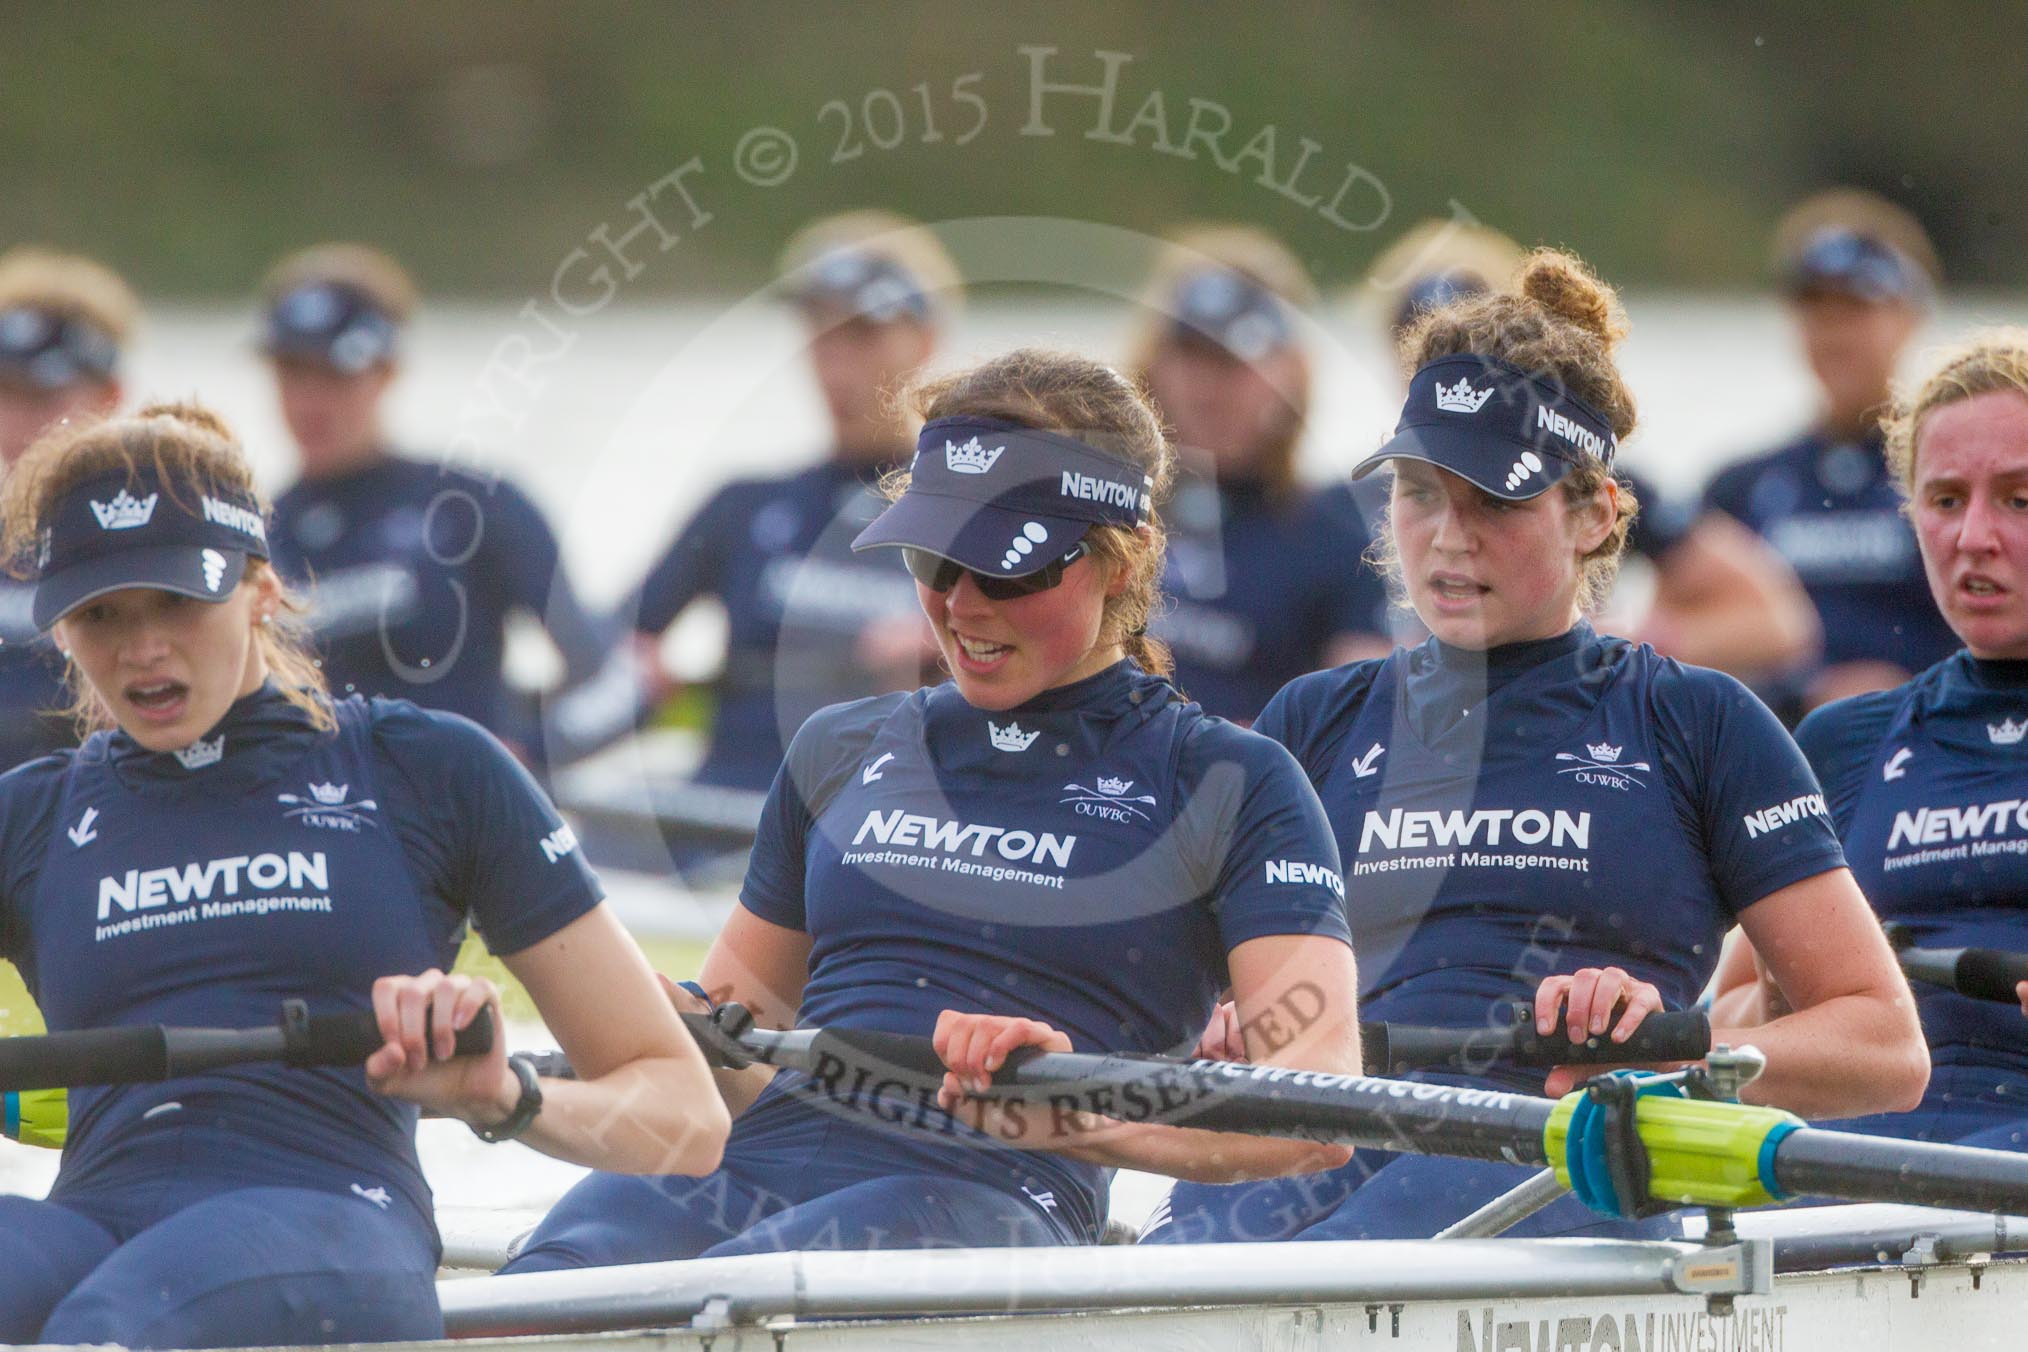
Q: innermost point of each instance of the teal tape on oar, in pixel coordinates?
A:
(12, 1126)
(1587, 1151)
(1766, 1162)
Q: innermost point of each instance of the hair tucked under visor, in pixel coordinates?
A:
(192, 452)
(1059, 392)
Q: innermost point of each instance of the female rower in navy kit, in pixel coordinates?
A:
(349, 844)
(64, 321)
(1722, 596)
(1859, 274)
(1258, 591)
(1530, 811)
(411, 567)
(809, 624)
(1051, 849)
(1947, 747)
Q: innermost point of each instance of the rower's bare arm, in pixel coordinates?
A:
(1296, 999)
(1724, 598)
(763, 966)
(643, 1100)
(1853, 1043)
(1743, 993)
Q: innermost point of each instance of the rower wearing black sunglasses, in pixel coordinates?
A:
(1051, 849)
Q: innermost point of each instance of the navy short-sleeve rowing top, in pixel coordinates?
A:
(265, 862)
(1831, 509)
(1543, 807)
(777, 554)
(1928, 785)
(1259, 584)
(1087, 859)
(412, 569)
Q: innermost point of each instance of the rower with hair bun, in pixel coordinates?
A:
(1925, 781)
(1051, 849)
(1531, 811)
(228, 836)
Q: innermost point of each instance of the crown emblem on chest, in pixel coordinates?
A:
(329, 793)
(1604, 752)
(1114, 787)
(1461, 397)
(2007, 732)
(125, 511)
(201, 753)
(970, 458)
(1010, 738)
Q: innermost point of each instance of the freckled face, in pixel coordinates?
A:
(1970, 508)
(1481, 571)
(166, 665)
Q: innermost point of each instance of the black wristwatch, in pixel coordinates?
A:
(525, 1109)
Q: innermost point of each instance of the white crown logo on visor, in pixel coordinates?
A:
(329, 794)
(200, 753)
(1011, 738)
(1529, 463)
(1604, 752)
(214, 568)
(1461, 397)
(2007, 732)
(970, 458)
(1032, 534)
(124, 512)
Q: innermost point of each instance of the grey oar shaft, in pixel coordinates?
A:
(1507, 1210)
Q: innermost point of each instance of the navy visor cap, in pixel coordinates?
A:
(328, 322)
(50, 350)
(862, 283)
(114, 532)
(1511, 433)
(1006, 500)
(1845, 261)
(1232, 311)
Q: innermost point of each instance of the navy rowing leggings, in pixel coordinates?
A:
(251, 1266)
(620, 1218)
(1379, 1195)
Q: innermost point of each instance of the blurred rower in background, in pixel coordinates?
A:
(63, 323)
(1266, 579)
(1858, 273)
(1722, 598)
(809, 624)
(411, 567)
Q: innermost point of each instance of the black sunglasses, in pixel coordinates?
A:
(940, 574)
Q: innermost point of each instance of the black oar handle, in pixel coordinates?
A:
(1670, 1035)
(1678, 1035)
(1361, 1111)
(143, 1055)
(1980, 973)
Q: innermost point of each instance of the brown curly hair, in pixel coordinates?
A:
(191, 451)
(1560, 322)
(1060, 392)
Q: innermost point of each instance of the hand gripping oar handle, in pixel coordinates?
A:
(142, 1055)
(1700, 1152)
(1670, 1035)
(1981, 973)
